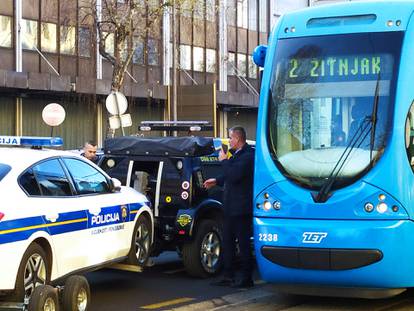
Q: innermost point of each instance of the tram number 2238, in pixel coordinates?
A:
(268, 237)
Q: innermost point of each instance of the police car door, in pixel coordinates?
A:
(109, 233)
(50, 194)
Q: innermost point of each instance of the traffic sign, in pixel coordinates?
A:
(116, 103)
(53, 114)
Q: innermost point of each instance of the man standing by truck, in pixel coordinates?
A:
(237, 179)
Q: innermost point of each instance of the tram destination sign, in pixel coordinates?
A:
(335, 68)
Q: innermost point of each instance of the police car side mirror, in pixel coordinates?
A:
(115, 185)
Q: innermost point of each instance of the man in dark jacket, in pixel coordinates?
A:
(89, 151)
(237, 179)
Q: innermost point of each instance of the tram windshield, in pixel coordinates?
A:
(326, 93)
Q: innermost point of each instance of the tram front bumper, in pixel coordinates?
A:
(321, 258)
(348, 253)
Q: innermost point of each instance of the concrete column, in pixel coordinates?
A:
(223, 124)
(99, 124)
(19, 117)
(18, 35)
(98, 55)
(223, 53)
(166, 34)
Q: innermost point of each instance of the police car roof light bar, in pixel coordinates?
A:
(31, 141)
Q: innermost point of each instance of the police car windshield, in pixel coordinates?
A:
(4, 169)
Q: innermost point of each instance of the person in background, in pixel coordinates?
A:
(237, 179)
(89, 151)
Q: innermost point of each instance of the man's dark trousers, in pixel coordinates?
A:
(237, 227)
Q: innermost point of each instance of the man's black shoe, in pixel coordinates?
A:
(223, 282)
(243, 284)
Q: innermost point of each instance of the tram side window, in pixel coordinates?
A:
(409, 136)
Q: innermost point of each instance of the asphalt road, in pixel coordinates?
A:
(166, 286)
(160, 287)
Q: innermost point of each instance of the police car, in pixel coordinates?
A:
(61, 214)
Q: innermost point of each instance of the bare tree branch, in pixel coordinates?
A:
(126, 21)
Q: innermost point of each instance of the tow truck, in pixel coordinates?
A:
(170, 171)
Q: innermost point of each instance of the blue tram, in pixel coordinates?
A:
(334, 171)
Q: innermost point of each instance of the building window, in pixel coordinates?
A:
(138, 57)
(231, 63)
(186, 8)
(48, 37)
(84, 42)
(198, 59)
(253, 15)
(199, 9)
(185, 57)
(5, 31)
(242, 13)
(241, 64)
(252, 68)
(171, 55)
(124, 51)
(263, 16)
(155, 4)
(109, 43)
(231, 12)
(211, 60)
(211, 10)
(67, 40)
(153, 52)
(29, 32)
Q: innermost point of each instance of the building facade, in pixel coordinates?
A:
(48, 53)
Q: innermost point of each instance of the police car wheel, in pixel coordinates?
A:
(44, 298)
(202, 256)
(76, 294)
(33, 272)
(141, 242)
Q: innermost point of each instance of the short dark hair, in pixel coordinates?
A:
(240, 131)
(91, 142)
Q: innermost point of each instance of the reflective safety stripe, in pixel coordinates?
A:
(44, 225)
(21, 229)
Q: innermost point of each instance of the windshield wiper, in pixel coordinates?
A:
(374, 118)
(356, 140)
(324, 193)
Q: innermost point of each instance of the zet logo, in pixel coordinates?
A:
(313, 237)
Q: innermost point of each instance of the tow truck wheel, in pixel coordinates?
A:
(202, 256)
(33, 271)
(141, 243)
(44, 298)
(76, 294)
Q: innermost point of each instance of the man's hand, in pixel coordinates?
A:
(209, 183)
(222, 156)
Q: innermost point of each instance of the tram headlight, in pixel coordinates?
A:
(277, 205)
(267, 205)
(382, 207)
